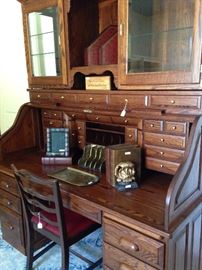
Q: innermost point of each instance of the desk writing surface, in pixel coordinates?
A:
(145, 204)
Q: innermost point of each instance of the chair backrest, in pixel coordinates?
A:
(42, 204)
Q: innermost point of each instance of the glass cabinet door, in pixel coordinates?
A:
(45, 42)
(160, 41)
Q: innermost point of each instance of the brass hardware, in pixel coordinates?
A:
(161, 166)
(174, 127)
(162, 140)
(50, 123)
(79, 128)
(55, 114)
(130, 136)
(126, 121)
(11, 227)
(9, 203)
(62, 97)
(7, 185)
(172, 101)
(90, 98)
(152, 125)
(162, 153)
(97, 118)
(73, 115)
(38, 96)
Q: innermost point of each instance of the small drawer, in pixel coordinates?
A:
(86, 209)
(92, 100)
(80, 127)
(11, 226)
(99, 118)
(161, 165)
(116, 259)
(164, 153)
(40, 98)
(153, 125)
(61, 99)
(10, 201)
(133, 243)
(130, 135)
(8, 183)
(52, 123)
(164, 140)
(81, 142)
(175, 127)
(124, 120)
(52, 114)
(177, 101)
(131, 103)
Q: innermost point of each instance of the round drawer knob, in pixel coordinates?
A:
(73, 115)
(162, 140)
(38, 96)
(172, 101)
(126, 121)
(152, 125)
(73, 134)
(62, 97)
(79, 128)
(130, 135)
(161, 166)
(45, 113)
(55, 114)
(174, 127)
(162, 153)
(135, 247)
(11, 227)
(90, 98)
(97, 118)
(7, 185)
(9, 203)
(51, 123)
(79, 142)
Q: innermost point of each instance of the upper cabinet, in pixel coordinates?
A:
(46, 42)
(140, 44)
(160, 42)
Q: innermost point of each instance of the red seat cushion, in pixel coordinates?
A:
(75, 223)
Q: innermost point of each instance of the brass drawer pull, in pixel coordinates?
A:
(174, 127)
(128, 245)
(9, 203)
(130, 135)
(126, 121)
(124, 266)
(62, 97)
(38, 96)
(162, 153)
(51, 123)
(11, 227)
(97, 118)
(172, 101)
(73, 115)
(162, 140)
(161, 166)
(79, 128)
(55, 114)
(152, 125)
(7, 185)
(91, 98)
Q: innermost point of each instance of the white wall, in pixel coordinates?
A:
(13, 74)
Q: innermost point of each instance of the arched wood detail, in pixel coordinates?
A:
(22, 134)
(186, 185)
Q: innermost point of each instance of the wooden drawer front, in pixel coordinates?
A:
(153, 125)
(175, 127)
(164, 140)
(52, 114)
(8, 183)
(10, 201)
(40, 98)
(134, 243)
(119, 101)
(81, 142)
(115, 259)
(11, 226)
(63, 99)
(130, 135)
(81, 127)
(181, 101)
(91, 100)
(124, 120)
(164, 153)
(161, 165)
(99, 118)
(86, 209)
(52, 123)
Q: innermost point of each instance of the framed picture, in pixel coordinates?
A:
(57, 142)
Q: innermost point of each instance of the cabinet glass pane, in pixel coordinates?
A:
(160, 35)
(44, 42)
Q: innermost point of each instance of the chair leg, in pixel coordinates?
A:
(65, 257)
(30, 253)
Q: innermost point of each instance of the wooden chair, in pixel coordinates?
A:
(43, 212)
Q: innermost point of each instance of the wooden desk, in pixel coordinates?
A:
(157, 226)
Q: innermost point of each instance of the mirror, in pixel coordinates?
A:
(44, 42)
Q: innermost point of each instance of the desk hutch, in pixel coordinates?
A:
(155, 74)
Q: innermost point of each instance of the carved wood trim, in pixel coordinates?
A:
(186, 186)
